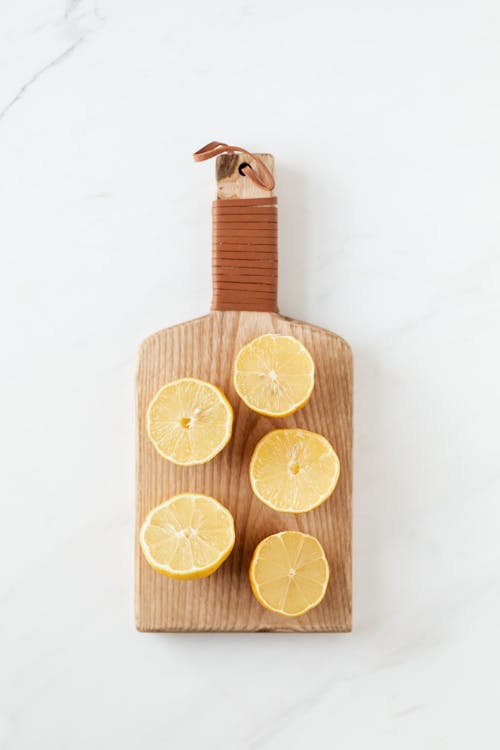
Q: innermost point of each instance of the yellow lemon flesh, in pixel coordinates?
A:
(293, 470)
(274, 375)
(189, 421)
(289, 573)
(188, 536)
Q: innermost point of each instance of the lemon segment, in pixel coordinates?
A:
(289, 573)
(293, 470)
(189, 421)
(274, 375)
(189, 536)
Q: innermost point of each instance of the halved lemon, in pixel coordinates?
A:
(189, 421)
(293, 470)
(289, 573)
(274, 375)
(188, 536)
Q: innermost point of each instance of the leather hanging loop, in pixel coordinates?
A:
(256, 170)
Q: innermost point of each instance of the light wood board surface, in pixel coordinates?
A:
(206, 349)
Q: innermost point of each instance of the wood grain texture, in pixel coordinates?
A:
(206, 348)
(231, 184)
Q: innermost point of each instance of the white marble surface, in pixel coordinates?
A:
(384, 119)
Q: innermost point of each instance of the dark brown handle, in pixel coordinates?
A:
(245, 254)
(244, 237)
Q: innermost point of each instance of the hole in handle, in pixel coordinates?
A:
(242, 167)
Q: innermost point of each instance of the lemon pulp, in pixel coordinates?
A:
(289, 573)
(189, 421)
(293, 470)
(188, 536)
(274, 375)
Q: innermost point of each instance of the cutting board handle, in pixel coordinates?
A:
(244, 230)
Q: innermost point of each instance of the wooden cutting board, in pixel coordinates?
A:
(206, 348)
